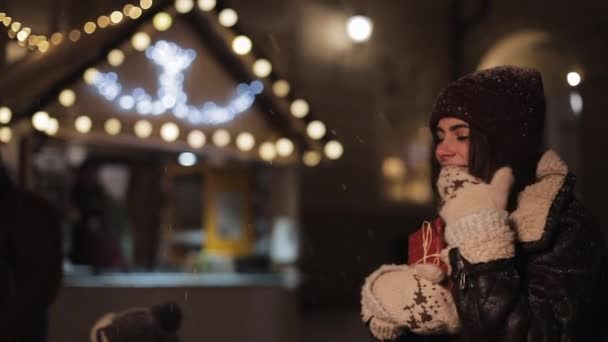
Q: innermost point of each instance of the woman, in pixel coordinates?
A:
(527, 262)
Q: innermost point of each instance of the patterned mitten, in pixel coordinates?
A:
(475, 214)
(395, 298)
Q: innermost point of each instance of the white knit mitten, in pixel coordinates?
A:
(475, 214)
(395, 298)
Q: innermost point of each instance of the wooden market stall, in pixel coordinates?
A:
(182, 145)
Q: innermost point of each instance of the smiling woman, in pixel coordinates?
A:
(511, 224)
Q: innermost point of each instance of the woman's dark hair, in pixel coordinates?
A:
(484, 161)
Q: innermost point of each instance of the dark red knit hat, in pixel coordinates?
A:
(506, 103)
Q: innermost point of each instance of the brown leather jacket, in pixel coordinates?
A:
(554, 289)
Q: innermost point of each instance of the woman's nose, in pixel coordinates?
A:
(444, 150)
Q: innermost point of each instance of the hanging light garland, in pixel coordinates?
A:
(21, 32)
(170, 96)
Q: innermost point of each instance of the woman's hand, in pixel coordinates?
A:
(475, 213)
(398, 297)
(463, 194)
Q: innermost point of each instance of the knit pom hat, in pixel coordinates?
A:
(506, 103)
(158, 323)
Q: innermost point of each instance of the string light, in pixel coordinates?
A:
(135, 12)
(116, 57)
(140, 41)
(169, 132)
(245, 141)
(145, 4)
(56, 38)
(90, 27)
(143, 129)
(221, 138)
(281, 88)
(262, 68)
(103, 21)
(127, 9)
(267, 151)
(52, 127)
(112, 126)
(5, 134)
(74, 35)
(316, 129)
(83, 124)
(196, 139)
(183, 6)
(162, 21)
(43, 46)
(40, 120)
(90, 75)
(333, 150)
(311, 158)
(206, 5)
(170, 95)
(241, 45)
(5, 115)
(24, 34)
(299, 108)
(116, 17)
(228, 17)
(284, 147)
(67, 97)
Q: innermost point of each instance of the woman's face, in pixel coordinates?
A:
(452, 136)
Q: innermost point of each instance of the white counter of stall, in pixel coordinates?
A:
(216, 306)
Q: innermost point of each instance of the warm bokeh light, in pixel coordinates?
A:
(140, 41)
(281, 88)
(89, 75)
(206, 5)
(184, 6)
(162, 21)
(267, 151)
(393, 168)
(196, 139)
(90, 27)
(359, 28)
(311, 158)
(316, 129)
(6, 134)
(112, 126)
(116, 57)
(228, 17)
(83, 124)
(245, 141)
(5, 115)
(334, 150)
(573, 78)
(299, 108)
(241, 45)
(142, 129)
(221, 138)
(40, 120)
(169, 132)
(284, 147)
(262, 68)
(67, 97)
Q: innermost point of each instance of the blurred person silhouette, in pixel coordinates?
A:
(30, 262)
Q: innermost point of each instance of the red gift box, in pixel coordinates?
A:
(425, 244)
